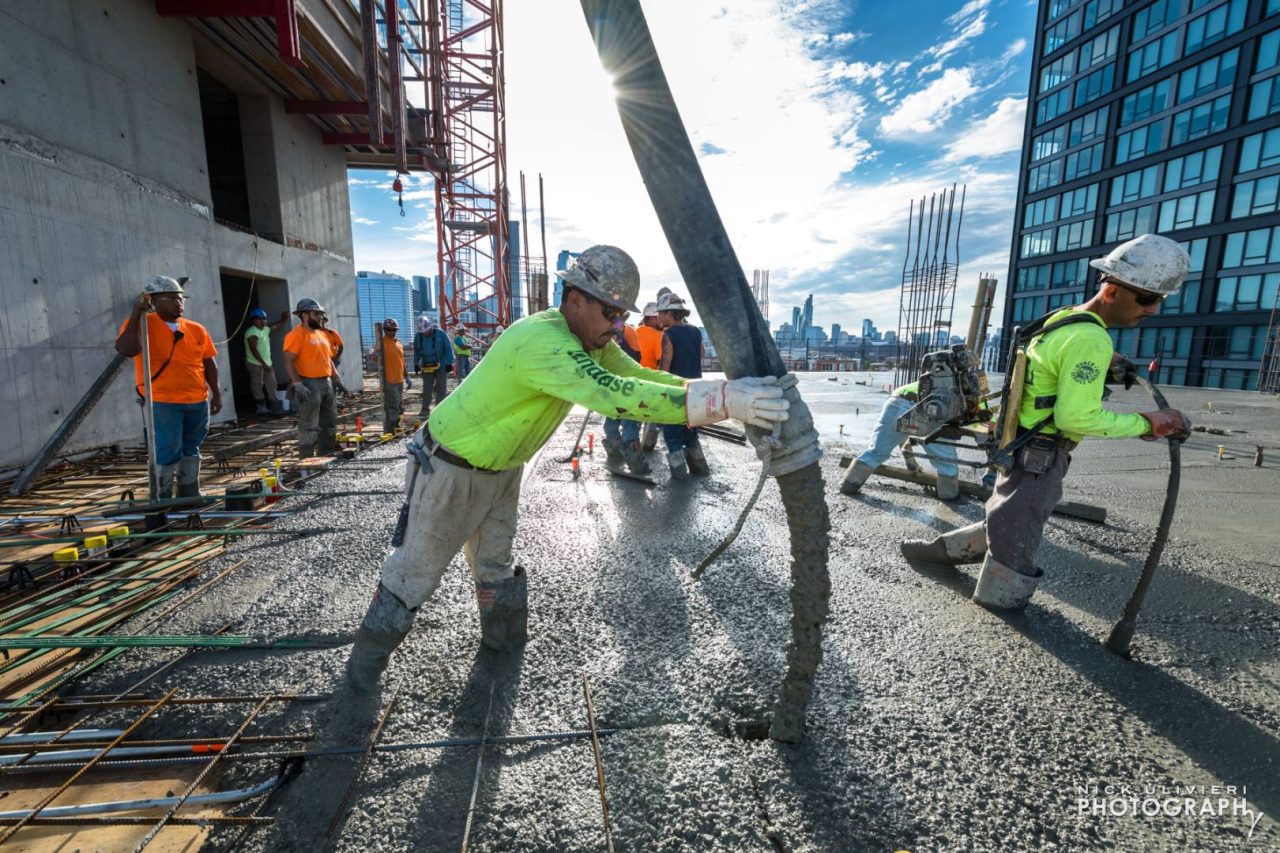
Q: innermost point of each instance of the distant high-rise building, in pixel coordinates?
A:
(382, 295)
(869, 331)
(1156, 117)
(806, 317)
(424, 294)
(795, 319)
(563, 260)
(835, 333)
(890, 337)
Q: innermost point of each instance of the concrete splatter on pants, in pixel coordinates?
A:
(317, 418)
(1019, 508)
(454, 508)
(435, 383)
(392, 405)
(262, 384)
(886, 438)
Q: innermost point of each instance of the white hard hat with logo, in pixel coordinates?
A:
(670, 302)
(1150, 262)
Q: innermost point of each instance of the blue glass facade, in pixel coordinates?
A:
(383, 295)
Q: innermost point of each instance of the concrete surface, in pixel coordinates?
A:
(935, 724)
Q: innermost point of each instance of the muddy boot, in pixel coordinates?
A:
(679, 468)
(635, 458)
(854, 478)
(948, 488)
(697, 462)
(189, 477)
(261, 408)
(385, 625)
(504, 611)
(1001, 588)
(960, 546)
(613, 458)
(650, 439)
(165, 475)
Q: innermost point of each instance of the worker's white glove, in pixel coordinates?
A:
(754, 400)
(300, 392)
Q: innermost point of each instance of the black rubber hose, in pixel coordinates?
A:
(711, 271)
(1122, 633)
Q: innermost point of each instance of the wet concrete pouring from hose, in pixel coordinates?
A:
(933, 724)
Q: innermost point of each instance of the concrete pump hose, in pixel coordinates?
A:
(1122, 633)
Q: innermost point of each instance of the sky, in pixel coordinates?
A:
(816, 123)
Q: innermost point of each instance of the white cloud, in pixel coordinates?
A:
(998, 133)
(1013, 50)
(858, 72)
(971, 8)
(927, 109)
(363, 220)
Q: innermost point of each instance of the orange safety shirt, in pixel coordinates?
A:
(335, 339)
(182, 379)
(650, 346)
(395, 359)
(313, 349)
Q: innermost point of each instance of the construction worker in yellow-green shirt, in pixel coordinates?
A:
(1069, 358)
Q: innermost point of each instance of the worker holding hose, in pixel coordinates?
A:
(466, 461)
(1069, 358)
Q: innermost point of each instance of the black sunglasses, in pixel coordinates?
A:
(1146, 300)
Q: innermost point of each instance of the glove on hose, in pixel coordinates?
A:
(1168, 423)
(754, 400)
(1122, 370)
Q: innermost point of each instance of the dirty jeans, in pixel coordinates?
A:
(392, 405)
(435, 384)
(262, 384)
(679, 436)
(886, 437)
(464, 366)
(620, 430)
(317, 418)
(180, 430)
(454, 508)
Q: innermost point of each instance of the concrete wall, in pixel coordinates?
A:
(103, 183)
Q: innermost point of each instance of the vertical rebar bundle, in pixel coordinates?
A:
(929, 272)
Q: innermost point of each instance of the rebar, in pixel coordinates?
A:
(475, 785)
(929, 270)
(374, 737)
(595, 749)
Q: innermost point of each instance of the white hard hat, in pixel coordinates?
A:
(608, 274)
(1150, 262)
(670, 302)
(651, 309)
(163, 284)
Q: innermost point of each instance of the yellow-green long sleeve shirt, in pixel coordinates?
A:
(531, 377)
(1071, 363)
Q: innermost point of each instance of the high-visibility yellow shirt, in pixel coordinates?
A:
(1071, 364)
(523, 388)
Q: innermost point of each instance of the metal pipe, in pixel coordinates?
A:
(148, 409)
(233, 796)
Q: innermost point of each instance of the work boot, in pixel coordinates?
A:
(189, 477)
(948, 488)
(854, 478)
(306, 451)
(274, 407)
(504, 611)
(650, 440)
(165, 475)
(614, 460)
(960, 546)
(697, 462)
(261, 408)
(1002, 588)
(676, 462)
(635, 458)
(327, 444)
(386, 624)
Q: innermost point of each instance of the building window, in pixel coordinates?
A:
(1152, 56)
(1260, 150)
(1049, 143)
(1097, 11)
(1146, 102)
(1095, 85)
(1079, 202)
(1027, 309)
(1135, 185)
(1169, 341)
(1040, 212)
(1088, 127)
(1252, 248)
(1084, 162)
(1185, 301)
(1268, 52)
(1058, 72)
(1077, 235)
(1247, 292)
(1235, 342)
(1199, 167)
(1037, 243)
(1201, 120)
(1129, 223)
(1044, 176)
(1099, 49)
(1255, 197)
(1141, 141)
(1213, 26)
(1032, 278)
(1208, 76)
(1069, 274)
(1272, 7)
(1231, 380)
(1154, 18)
(1264, 98)
(1052, 106)
(1061, 33)
(1061, 300)
(1057, 7)
(1187, 211)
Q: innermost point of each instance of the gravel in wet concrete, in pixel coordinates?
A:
(935, 725)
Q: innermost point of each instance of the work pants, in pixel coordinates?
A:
(392, 405)
(679, 436)
(464, 366)
(620, 430)
(262, 384)
(180, 430)
(454, 508)
(435, 387)
(317, 418)
(886, 437)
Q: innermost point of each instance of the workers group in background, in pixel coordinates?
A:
(649, 334)
(432, 361)
(462, 352)
(394, 372)
(308, 361)
(184, 381)
(622, 435)
(464, 477)
(1069, 358)
(681, 355)
(257, 357)
(886, 437)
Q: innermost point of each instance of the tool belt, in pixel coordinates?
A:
(429, 368)
(1044, 439)
(437, 450)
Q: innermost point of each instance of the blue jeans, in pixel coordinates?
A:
(679, 436)
(464, 366)
(886, 437)
(619, 430)
(180, 430)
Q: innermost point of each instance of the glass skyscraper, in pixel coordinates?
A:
(1158, 117)
(383, 295)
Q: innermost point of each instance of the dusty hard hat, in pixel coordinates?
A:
(257, 314)
(608, 274)
(670, 302)
(163, 284)
(390, 321)
(651, 309)
(1150, 262)
(307, 305)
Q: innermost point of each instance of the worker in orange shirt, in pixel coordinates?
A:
(395, 376)
(184, 381)
(335, 341)
(649, 335)
(308, 360)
